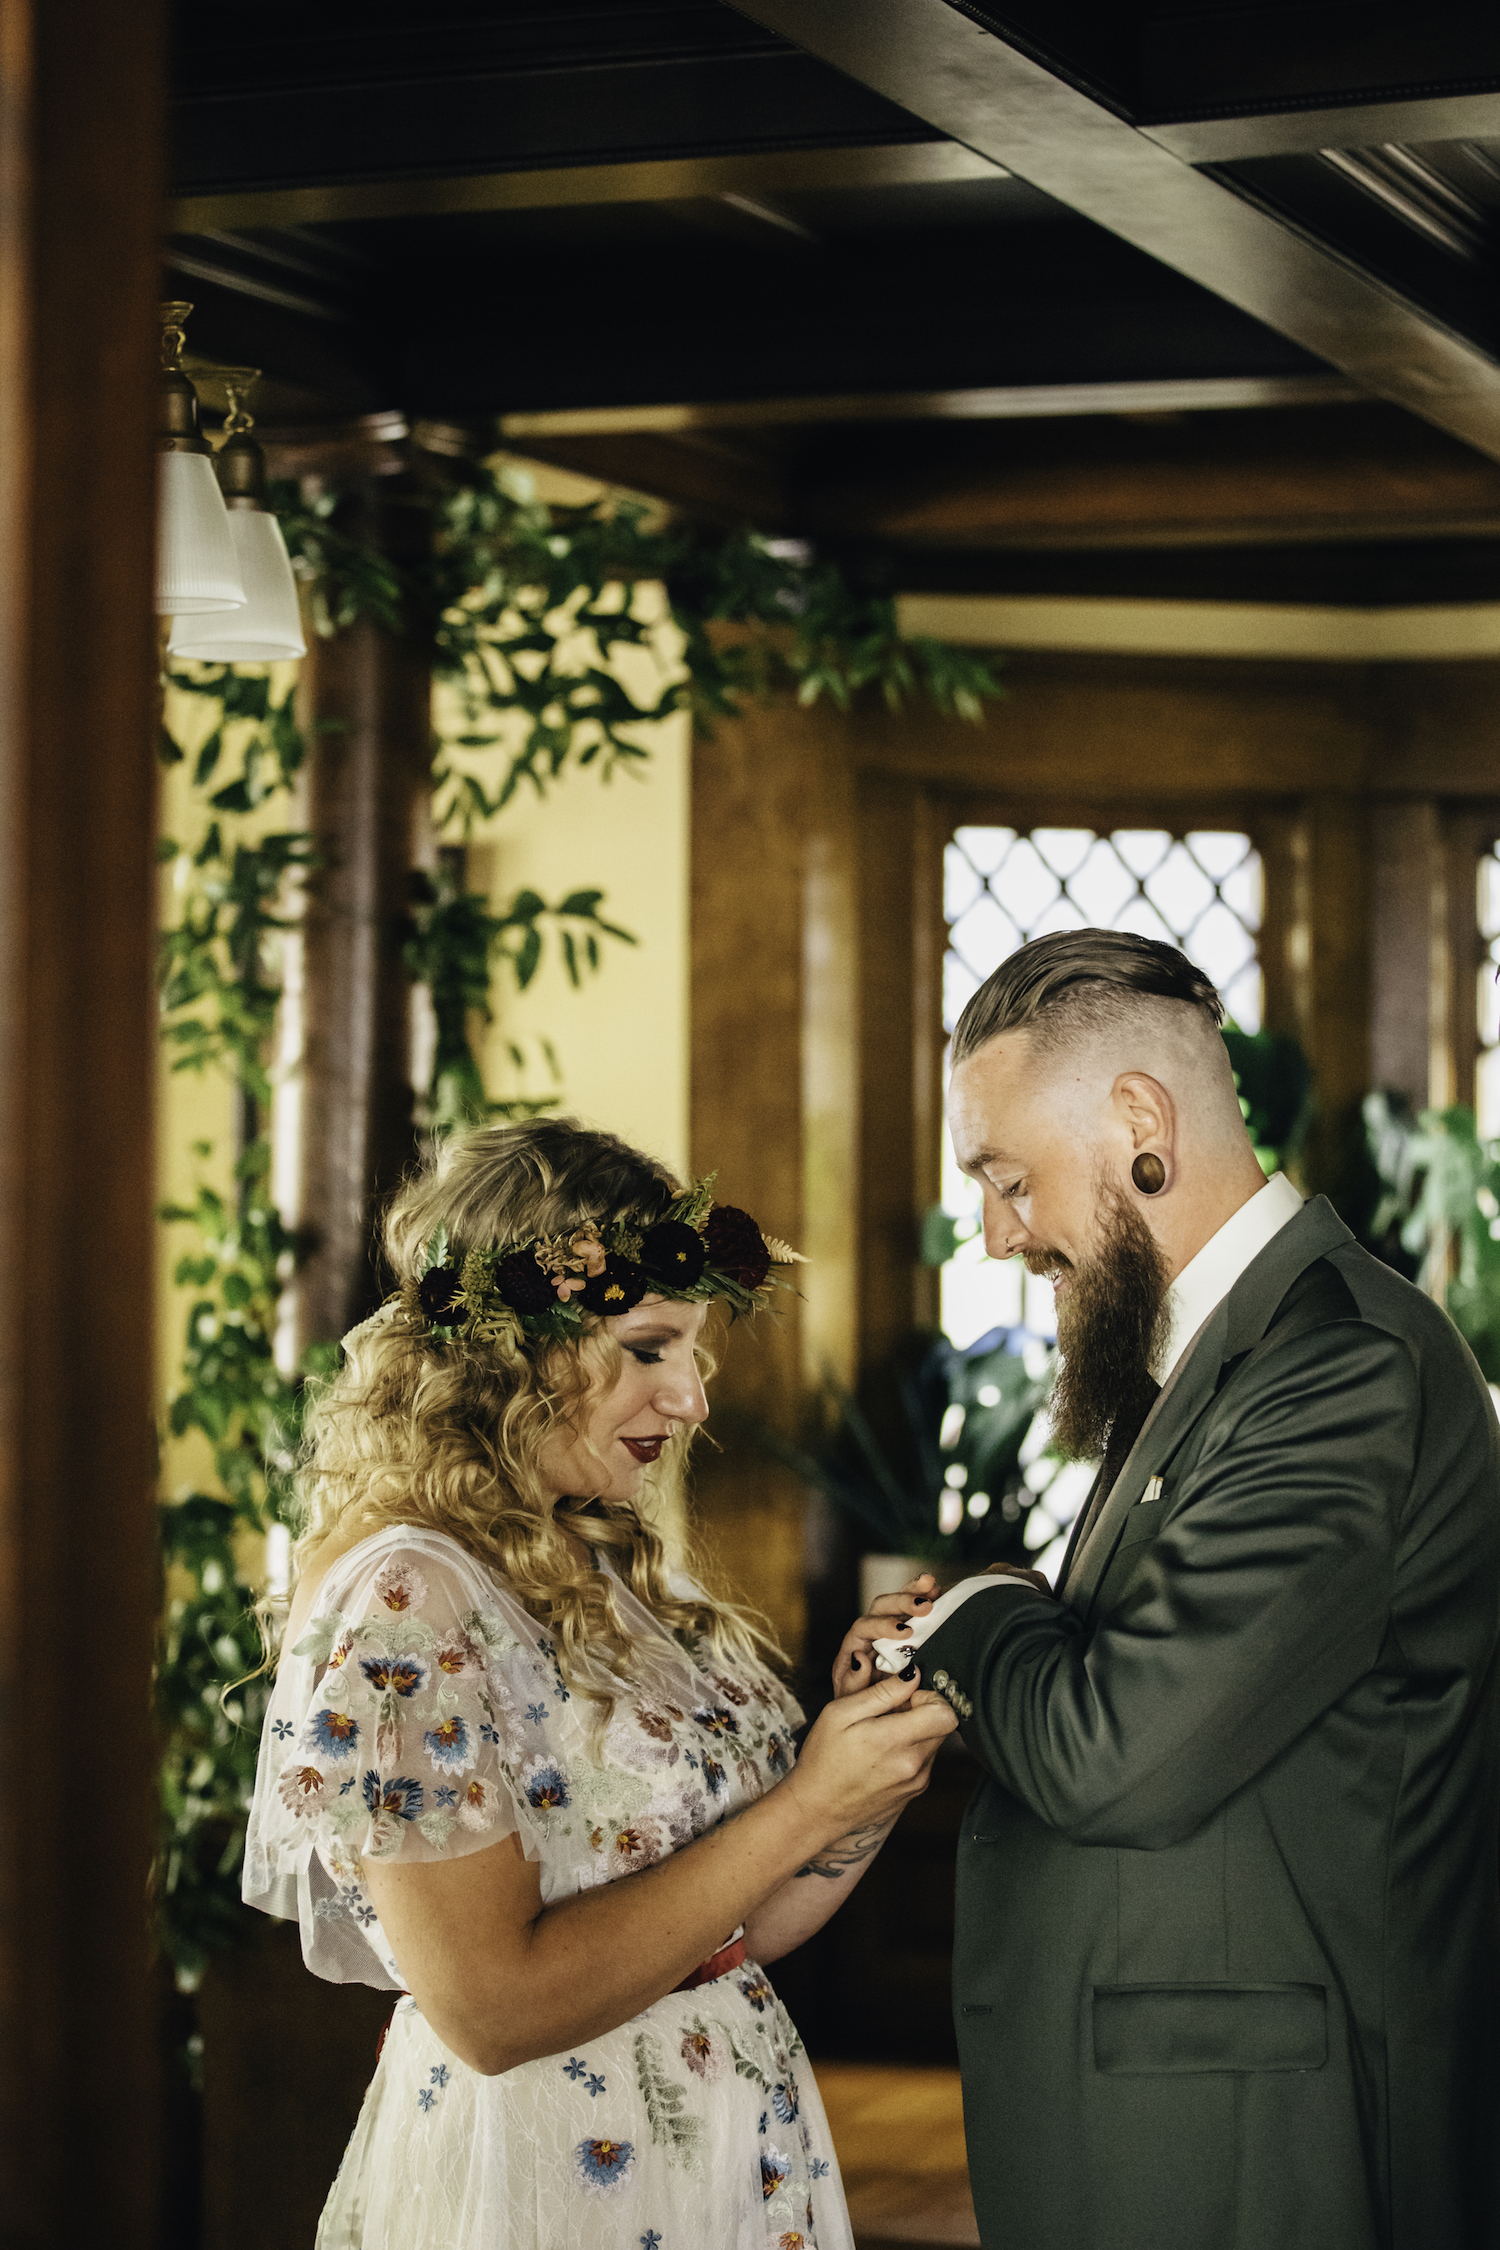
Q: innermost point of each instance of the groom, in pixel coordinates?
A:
(1227, 1973)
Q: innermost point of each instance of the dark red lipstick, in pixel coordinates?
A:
(644, 1448)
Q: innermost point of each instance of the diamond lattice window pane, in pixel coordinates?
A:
(984, 847)
(1489, 894)
(1142, 849)
(1064, 849)
(1219, 851)
(1179, 890)
(1103, 885)
(1027, 885)
(985, 934)
(962, 884)
(1141, 918)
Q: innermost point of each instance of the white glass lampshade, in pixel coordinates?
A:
(196, 569)
(269, 626)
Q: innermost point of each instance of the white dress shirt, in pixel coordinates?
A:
(1205, 1281)
(1203, 1284)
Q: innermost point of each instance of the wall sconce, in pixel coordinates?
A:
(196, 570)
(269, 626)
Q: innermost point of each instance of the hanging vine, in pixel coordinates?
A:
(531, 614)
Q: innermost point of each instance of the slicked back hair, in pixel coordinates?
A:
(1077, 982)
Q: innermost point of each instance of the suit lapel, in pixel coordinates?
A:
(1236, 1323)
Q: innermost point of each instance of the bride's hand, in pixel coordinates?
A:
(854, 1667)
(868, 1754)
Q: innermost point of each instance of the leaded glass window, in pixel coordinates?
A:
(1487, 1059)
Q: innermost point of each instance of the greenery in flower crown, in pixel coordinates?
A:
(697, 1252)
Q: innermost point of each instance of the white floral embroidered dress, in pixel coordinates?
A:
(421, 1715)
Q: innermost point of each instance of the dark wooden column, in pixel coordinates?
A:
(80, 203)
(365, 704)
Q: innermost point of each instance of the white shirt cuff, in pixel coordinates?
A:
(892, 1655)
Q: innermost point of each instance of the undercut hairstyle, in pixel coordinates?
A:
(1079, 982)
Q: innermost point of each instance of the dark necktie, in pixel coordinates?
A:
(1123, 1432)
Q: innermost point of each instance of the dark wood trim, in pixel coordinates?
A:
(80, 135)
(1303, 132)
(959, 76)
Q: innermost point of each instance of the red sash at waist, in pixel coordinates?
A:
(731, 1956)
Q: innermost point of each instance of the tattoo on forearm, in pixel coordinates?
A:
(851, 1851)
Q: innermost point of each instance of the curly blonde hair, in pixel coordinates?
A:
(450, 1436)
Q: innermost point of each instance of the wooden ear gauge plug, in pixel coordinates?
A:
(1149, 1173)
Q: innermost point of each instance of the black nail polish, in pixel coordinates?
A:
(908, 1670)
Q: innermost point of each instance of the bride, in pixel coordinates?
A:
(496, 1701)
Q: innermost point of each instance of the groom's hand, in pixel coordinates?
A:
(854, 1667)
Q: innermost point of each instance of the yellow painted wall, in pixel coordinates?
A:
(621, 1042)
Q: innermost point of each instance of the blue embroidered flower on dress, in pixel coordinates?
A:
(574, 2069)
(546, 1785)
(764, 2126)
(596, 2081)
(445, 1799)
(439, 2074)
(774, 2167)
(447, 1745)
(785, 2101)
(425, 2097)
(549, 1650)
(650, 2240)
(716, 1721)
(536, 1712)
(605, 2165)
(355, 1903)
(401, 1796)
(345, 1787)
(487, 1733)
(395, 1675)
(334, 1733)
(282, 1729)
(715, 1776)
(818, 2169)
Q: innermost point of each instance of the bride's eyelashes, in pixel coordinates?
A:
(646, 1358)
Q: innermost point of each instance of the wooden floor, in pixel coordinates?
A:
(900, 2139)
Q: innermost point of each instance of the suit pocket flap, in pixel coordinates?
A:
(1141, 2029)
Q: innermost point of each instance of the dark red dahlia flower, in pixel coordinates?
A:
(523, 1285)
(621, 1285)
(736, 1246)
(436, 1293)
(673, 1254)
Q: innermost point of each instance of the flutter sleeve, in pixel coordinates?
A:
(393, 1733)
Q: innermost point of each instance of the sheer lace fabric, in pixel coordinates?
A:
(420, 1715)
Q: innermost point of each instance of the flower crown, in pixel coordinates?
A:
(545, 1284)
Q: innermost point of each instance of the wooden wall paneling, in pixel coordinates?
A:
(900, 845)
(1114, 731)
(1328, 964)
(769, 891)
(80, 202)
(1407, 1009)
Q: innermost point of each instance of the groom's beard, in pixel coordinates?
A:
(1111, 1320)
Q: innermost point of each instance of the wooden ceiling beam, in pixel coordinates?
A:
(998, 403)
(671, 180)
(1304, 132)
(970, 84)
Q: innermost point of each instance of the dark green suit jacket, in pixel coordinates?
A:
(1227, 1972)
